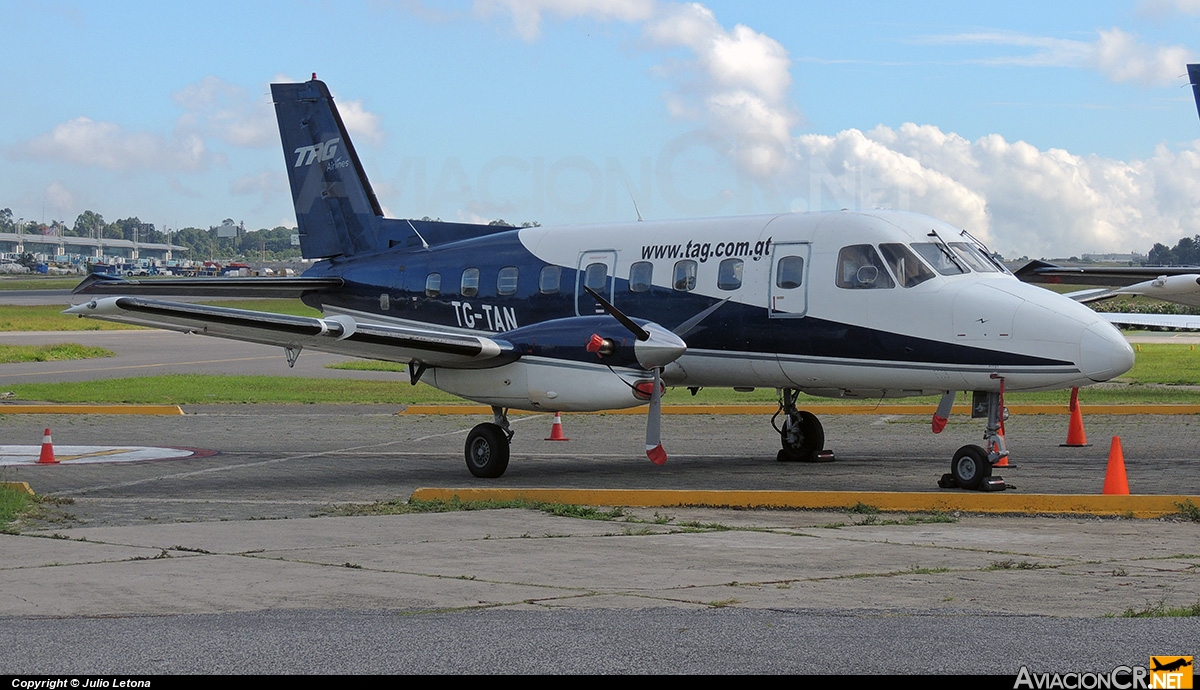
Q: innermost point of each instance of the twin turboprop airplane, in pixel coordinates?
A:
(846, 304)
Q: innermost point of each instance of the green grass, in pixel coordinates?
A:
(367, 365)
(50, 353)
(49, 317)
(1160, 609)
(39, 282)
(402, 507)
(13, 505)
(191, 389)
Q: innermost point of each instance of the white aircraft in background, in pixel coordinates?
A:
(845, 304)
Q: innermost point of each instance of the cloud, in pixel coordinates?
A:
(1117, 54)
(216, 108)
(58, 198)
(1021, 199)
(268, 185)
(107, 145)
(527, 15)
(363, 125)
(1165, 8)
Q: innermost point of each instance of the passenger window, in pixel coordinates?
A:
(641, 276)
(860, 268)
(433, 285)
(939, 257)
(685, 275)
(595, 276)
(549, 279)
(908, 268)
(789, 272)
(729, 274)
(470, 282)
(506, 281)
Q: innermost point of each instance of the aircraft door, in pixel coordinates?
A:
(787, 291)
(595, 271)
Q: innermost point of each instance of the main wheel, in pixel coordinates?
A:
(487, 451)
(970, 467)
(802, 437)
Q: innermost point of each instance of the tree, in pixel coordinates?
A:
(87, 224)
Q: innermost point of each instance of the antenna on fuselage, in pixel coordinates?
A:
(635, 206)
(414, 229)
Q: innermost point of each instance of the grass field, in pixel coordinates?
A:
(50, 353)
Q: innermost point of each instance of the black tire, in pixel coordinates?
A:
(487, 451)
(970, 467)
(802, 443)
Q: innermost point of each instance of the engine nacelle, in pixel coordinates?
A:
(544, 385)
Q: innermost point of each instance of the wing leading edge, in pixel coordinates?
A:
(340, 335)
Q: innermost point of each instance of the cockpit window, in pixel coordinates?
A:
(908, 268)
(973, 257)
(860, 268)
(939, 257)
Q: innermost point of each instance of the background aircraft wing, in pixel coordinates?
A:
(335, 334)
(283, 287)
(1158, 320)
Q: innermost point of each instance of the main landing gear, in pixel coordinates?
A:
(972, 465)
(487, 446)
(802, 436)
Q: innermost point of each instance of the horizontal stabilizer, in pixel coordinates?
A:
(1182, 321)
(283, 287)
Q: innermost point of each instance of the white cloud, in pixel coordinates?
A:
(107, 145)
(1021, 199)
(1117, 54)
(1164, 8)
(361, 123)
(527, 15)
(213, 107)
(59, 199)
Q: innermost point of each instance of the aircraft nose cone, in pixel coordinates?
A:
(1104, 353)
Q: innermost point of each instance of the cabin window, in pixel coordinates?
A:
(506, 281)
(595, 276)
(729, 274)
(548, 281)
(641, 276)
(860, 268)
(470, 282)
(684, 278)
(908, 268)
(433, 285)
(940, 258)
(973, 257)
(789, 272)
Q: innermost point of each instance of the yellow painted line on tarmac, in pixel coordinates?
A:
(91, 409)
(1140, 506)
(924, 410)
(96, 454)
(18, 486)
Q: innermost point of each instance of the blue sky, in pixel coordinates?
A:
(1047, 128)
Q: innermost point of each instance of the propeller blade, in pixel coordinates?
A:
(686, 327)
(638, 332)
(943, 411)
(654, 449)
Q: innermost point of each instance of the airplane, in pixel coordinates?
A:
(874, 304)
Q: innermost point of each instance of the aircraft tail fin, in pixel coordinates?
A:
(1194, 78)
(336, 209)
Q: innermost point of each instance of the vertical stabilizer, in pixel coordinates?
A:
(1194, 77)
(336, 209)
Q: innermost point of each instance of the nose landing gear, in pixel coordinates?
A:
(971, 467)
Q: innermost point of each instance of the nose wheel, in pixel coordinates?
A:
(971, 467)
(801, 435)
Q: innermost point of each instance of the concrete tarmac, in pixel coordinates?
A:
(249, 561)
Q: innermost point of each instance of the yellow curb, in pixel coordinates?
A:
(926, 410)
(1140, 506)
(91, 409)
(18, 486)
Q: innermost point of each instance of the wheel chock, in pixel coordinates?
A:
(988, 484)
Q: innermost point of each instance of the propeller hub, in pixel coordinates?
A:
(660, 349)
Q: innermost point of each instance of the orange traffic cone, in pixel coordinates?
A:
(1075, 436)
(1115, 481)
(556, 432)
(47, 456)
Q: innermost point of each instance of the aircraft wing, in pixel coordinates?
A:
(1182, 321)
(336, 334)
(283, 287)
(1115, 276)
